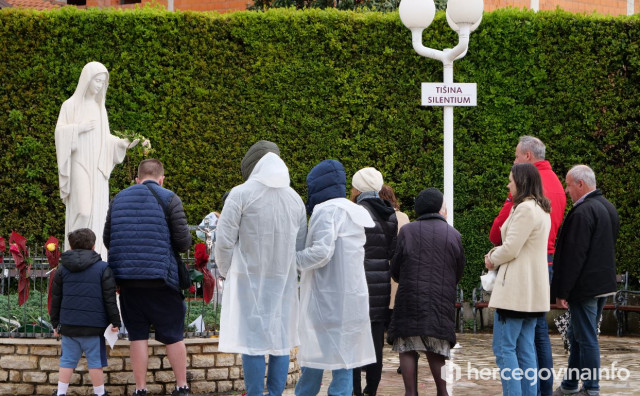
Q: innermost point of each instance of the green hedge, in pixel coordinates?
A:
(323, 84)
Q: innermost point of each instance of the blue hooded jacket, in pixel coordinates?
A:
(326, 181)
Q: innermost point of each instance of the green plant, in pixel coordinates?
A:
(468, 325)
(30, 313)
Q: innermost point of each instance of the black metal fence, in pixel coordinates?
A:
(31, 320)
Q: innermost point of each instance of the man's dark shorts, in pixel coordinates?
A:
(161, 306)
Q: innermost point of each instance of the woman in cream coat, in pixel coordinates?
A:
(521, 290)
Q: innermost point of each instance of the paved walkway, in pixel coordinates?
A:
(474, 351)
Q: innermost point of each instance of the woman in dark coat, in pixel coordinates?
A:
(427, 265)
(378, 250)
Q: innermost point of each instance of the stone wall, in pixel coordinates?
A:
(30, 367)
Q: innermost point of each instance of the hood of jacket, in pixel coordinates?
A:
(254, 154)
(357, 213)
(326, 181)
(380, 206)
(271, 171)
(79, 260)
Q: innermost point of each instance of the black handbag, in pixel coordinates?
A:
(184, 277)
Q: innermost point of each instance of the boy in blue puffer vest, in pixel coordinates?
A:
(83, 304)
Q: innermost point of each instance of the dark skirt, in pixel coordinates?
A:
(422, 344)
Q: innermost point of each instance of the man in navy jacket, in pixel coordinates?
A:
(141, 232)
(584, 275)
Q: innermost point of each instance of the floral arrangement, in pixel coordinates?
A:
(20, 253)
(53, 257)
(3, 247)
(201, 259)
(144, 143)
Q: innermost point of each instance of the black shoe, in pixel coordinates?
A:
(104, 394)
(140, 392)
(183, 391)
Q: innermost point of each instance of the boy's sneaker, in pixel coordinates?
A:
(55, 393)
(183, 391)
(140, 392)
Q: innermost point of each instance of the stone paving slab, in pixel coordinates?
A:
(475, 350)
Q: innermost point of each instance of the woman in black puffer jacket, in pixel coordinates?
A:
(428, 265)
(378, 251)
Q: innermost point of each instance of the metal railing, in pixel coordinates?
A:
(31, 320)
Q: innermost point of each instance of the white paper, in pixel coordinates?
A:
(488, 280)
(111, 336)
(198, 324)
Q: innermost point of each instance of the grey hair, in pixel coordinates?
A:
(584, 173)
(533, 145)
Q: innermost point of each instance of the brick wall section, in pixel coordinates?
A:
(490, 5)
(183, 5)
(30, 367)
(605, 7)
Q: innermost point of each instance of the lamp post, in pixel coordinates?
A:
(463, 16)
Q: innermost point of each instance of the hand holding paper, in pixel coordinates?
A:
(111, 335)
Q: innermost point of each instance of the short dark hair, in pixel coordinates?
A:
(150, 168)
(82, 238)
(529, 185)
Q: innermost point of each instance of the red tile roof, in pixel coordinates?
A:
(35, 4)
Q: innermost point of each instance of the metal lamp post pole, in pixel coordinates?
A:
(447, 119)
(463, 16)
(447, 57)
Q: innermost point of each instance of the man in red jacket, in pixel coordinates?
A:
(532, 150)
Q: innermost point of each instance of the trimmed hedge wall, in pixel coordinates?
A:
(324, 84)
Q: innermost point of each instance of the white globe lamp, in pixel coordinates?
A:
(465, 11)
(417, 14)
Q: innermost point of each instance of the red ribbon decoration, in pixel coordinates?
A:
(201, 259)
(53, 257)
(19, 251)
(3, 247)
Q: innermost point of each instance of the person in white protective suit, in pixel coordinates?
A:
(262, 225)
(334, 329)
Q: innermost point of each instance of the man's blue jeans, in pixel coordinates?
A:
(311, 379)
(516, 355)
(585, 349)
(254, 368)
(543, 352)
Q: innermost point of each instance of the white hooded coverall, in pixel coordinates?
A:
(335, 331)
(261, 226)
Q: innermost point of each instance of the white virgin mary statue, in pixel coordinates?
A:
(86, 153)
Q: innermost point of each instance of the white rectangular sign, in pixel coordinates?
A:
(440, 94)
